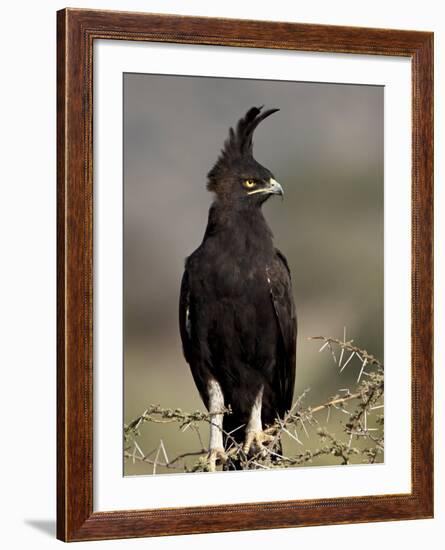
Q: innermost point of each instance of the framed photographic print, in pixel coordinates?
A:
(245, 227)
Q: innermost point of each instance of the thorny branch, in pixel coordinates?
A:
(364, 424)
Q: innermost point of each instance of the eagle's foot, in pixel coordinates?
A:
(256, 442)
(216, 456)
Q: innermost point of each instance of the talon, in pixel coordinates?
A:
(256, 440)
(216, 456)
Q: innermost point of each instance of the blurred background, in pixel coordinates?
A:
(325, 147)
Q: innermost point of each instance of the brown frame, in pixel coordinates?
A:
(76, 32)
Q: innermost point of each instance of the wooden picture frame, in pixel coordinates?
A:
(76, 32)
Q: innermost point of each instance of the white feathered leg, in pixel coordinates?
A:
(255, 437)
(216, 445)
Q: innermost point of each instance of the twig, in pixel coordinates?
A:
(367, 395)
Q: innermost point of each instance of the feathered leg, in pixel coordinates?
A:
(255, 438)
(216, 445)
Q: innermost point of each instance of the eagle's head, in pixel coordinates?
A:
(237, 178)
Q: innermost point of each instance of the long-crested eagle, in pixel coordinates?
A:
(236, 312)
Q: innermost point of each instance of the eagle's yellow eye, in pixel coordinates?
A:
(249, 184)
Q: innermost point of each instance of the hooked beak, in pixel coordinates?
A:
(273, 188)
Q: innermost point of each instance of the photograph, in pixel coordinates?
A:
(222, 275)
(253, 274)
(244, 243)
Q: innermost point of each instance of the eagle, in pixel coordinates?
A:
(237, 315)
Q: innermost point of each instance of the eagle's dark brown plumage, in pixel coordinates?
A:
(237, 314)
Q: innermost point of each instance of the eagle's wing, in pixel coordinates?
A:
(279, 280)
(184, 317)
(191, 350)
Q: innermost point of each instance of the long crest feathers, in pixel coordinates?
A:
(239, 143)
(246, 126)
